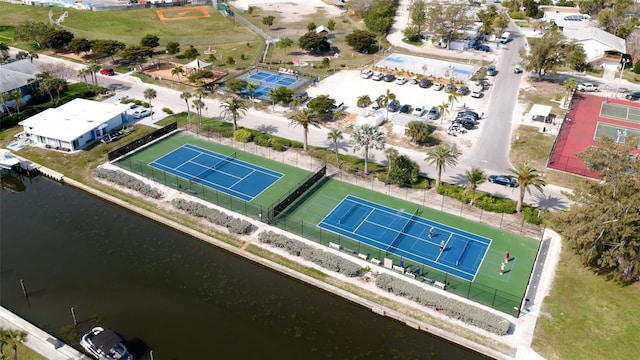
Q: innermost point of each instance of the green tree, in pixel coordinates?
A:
(360, 7)
(418, 14)
(313, 42)
(173, 47)
(360, 40)
(391, 154)
(21, 55)
(198, 104)
(150, 94)
(78, 45)
(251, 88)
(13, 338)
(379, 20)
(236, 85)
(418, 131)
(321, 104)
(31, 30)
(186, 96)
(191, 53)
(545, 54)
(331, 25)
(474, 177)
(4, 99)
(334, 136)
(56, 39)
(268, 20)
(575, 56)
(109, 47)
(527, 176)
(570, 85)
(363, 101)
(404, 171)
(305, 118)
(442, 156)
(443, 109)
(150, 41)
(311, 26)
(177, 70)
(93, 70)
(367, 137)
(235, 109)
(453, 97)
(16, 96)
(136, 53)
(501, 22)
(295, 103)
(281, 94)
(411, 33)
(285, 43)
(448, 20)
(384, 101)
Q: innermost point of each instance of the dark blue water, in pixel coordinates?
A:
(167, 292)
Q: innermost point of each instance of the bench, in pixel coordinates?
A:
(397, 268)
(411, 275)
(375, 261)
(350, 251)
(440, 285)
(426, 279)
(335, 246)
(363, 256)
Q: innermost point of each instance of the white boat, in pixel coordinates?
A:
(104, 344)
(8, 161)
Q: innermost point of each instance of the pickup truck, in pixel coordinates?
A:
(587, 87)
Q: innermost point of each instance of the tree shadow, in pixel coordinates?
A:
(459, 179)
(549, 202)
(269, 129)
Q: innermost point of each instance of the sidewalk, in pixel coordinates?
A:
(38, 340)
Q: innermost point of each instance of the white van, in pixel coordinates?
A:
(506, 37)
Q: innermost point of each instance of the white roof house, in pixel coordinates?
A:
(75, 124)
(17, 76)
(370, 117)
(597, 43)
(400, 122)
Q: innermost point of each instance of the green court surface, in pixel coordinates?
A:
(620, 112)
(617, 133)
(138, 162)
(502, 292)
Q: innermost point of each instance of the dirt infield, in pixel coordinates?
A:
(182, 13)
(163, 71)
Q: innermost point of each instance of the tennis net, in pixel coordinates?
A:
(396, 240)
(216, 166)
(462, 252)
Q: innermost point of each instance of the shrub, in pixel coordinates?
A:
(495, 204)
(262, 140)
(453, 308)
(128, 181)
(243, 135)
(277, 146)
(166, 110)
(531, 215)
(145, 104)
(517, 15)
(326, 259)
(234, 225)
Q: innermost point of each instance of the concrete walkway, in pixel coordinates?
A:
(38, 340)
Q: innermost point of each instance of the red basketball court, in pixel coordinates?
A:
(590, 117)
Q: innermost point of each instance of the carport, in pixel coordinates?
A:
(539, 113)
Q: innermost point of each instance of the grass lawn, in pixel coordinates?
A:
(24, 353)
(586, 316)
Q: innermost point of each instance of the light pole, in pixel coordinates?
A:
(623, 65)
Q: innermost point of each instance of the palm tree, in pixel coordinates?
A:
(334, 136)
(93, 69)
(385, 99)
(367, 137)
(295, 103)
(233, 108)
(570, 85)
(304, 118)
(198, 105)
(177, 70)
(13, 338)
(392, 155)
(201, 93)
(444, 110)
(527, 176)
(22, 55)
(4, 98)
(475, 177)
(363, 101)
(453, 97)
(186, 96)
(16, 96)
(33, 55)
(251, 87)
(339, 115)
(441, 156)
(150, 94)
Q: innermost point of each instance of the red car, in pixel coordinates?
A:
(108, 72)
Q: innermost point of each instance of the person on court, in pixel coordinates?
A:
(442, 246)
(431, 232)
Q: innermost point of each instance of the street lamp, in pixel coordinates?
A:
(623, 65)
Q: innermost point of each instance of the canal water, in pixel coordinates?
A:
(169, 293)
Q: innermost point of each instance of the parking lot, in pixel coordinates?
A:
(347, 86)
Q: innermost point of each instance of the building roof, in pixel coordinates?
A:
(197, 64)
(321, 29)
(593, 33)
(404, 119)
(16, 74)
(73, 119)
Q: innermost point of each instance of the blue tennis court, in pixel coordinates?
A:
(408, 235)
(267, 81)
(221, 172)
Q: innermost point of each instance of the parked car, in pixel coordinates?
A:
(438, 86)
(505, 180)
(477, 93)
(482, 47)
(405, 109)
(389, 78)
(108, 72)
(414, 81)
(141, 113)
(492, 71)
(517, 69)
(463, 90)
(418, 111)
(425, 83)
(450, 87)
(394, 106)
(466, 122)
(337, 108)
(366, 73)
(303, 96)
(633, 96)
(377, 76)
(483, 84)
(587, 87)
(401, 80)
(433, 114)
(470, 113)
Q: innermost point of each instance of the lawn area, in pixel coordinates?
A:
(303, 216)
(24, 353)
(586, 316)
